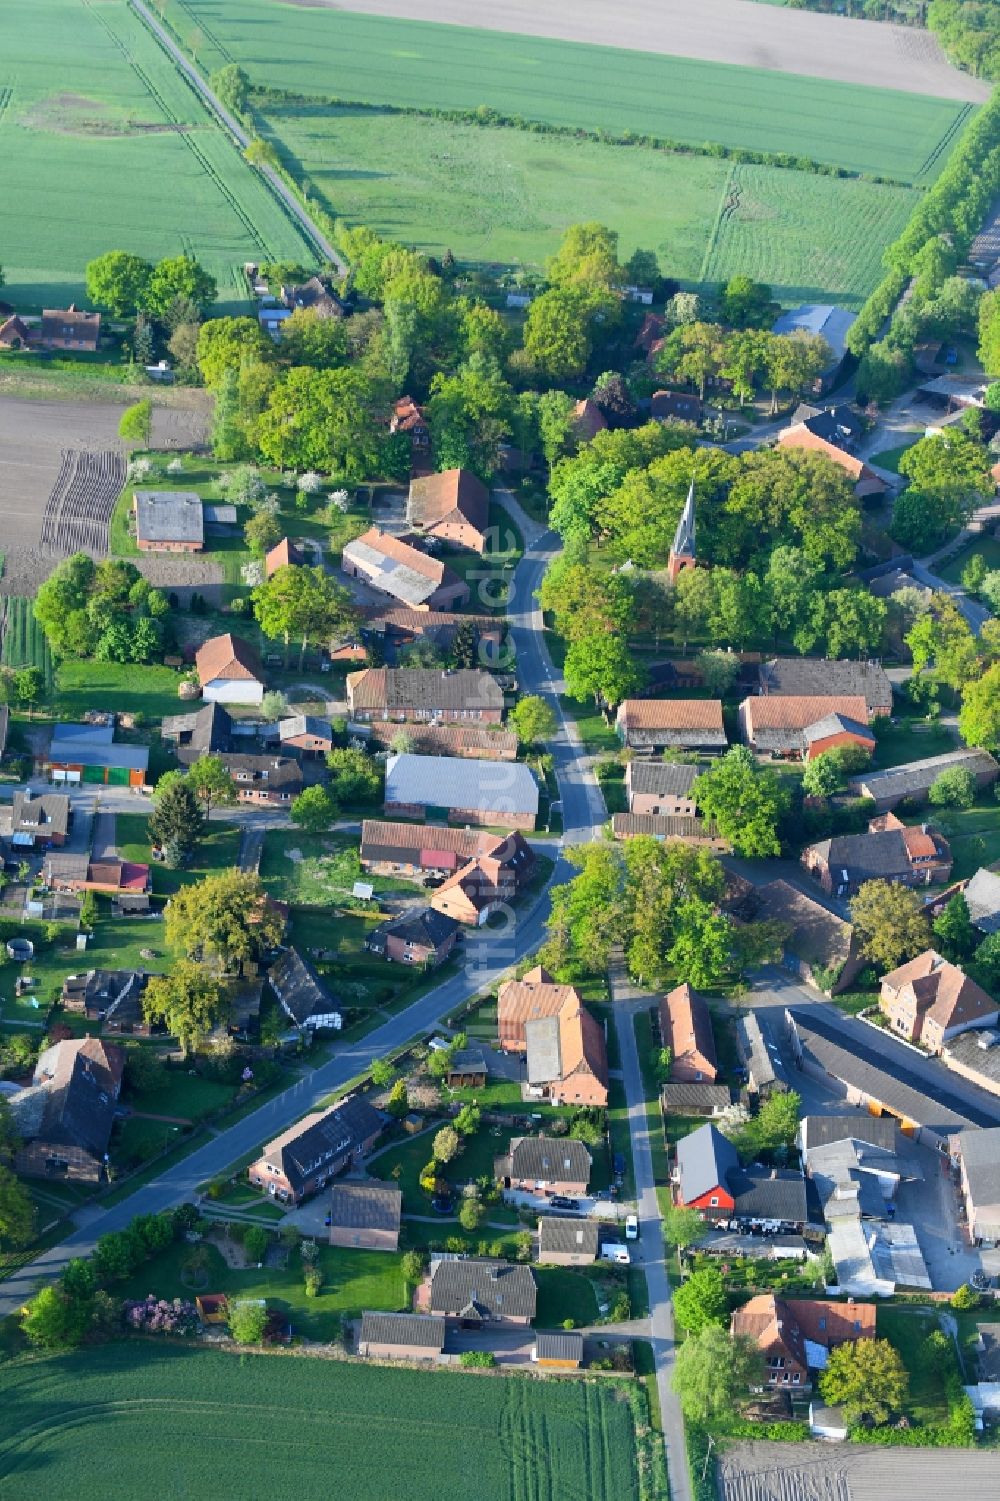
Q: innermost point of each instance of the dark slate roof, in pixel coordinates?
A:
(663, 778)
(424, 926)
(299, 988)
(840, 424)
(681, 1098)
(479, 1287)
(866, 857)
(563, 1344)
(111, 993)
(562, 1236)
(857, 1125)
(836, 724)
(366, 1206)
(884, 1073)
(915, 778)
(71, 1101)
(705, 1158)
(769, 1194)
(804, 676)
(270, 772)
(44, 813)
(550, 1158)
(469, 1061)
(424, 1329)
(322, 1139)
(203, 733)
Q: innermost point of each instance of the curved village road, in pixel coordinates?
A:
(486, 959)
(239, 135)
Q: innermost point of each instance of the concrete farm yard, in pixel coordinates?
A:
(99, 134)
(495, 193)
(204, 1423)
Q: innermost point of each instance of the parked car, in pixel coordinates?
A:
(560, 1201)
(631, 1227)
(616, 1252)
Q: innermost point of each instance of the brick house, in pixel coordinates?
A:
(587, 420)
(424, 693)
(566, 1057)
(64, 1117)
(545, 1164)
(888, 852)
(265, 780)
(652, 724)
(168, 521)
(229, 671)
(801, 728)
(686, 1029)
(661, 788)
(127, 882)
(796, 1336)
(391, 566)
(708, 1177)
(110, 996)
(567, 1242)
(478, 1291)
(475, 892)
(365, 1216)
(821, 677)
(670, 830)
(306, 735)
(424, 936)
(534, 996)
(402, 626)
(915, 779)
(314, 1151)
(15, 334)
(401, 1336)
(929, 1000)
(69, 328)
(417, 851)
(283, 554)
(453, 506)
(493, 793)
(409, 417)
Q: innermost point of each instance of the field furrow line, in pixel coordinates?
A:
(720, 214)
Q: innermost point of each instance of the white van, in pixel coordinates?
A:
(631, 1227)
(615, 1251)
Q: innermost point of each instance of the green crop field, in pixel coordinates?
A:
(24, 643)
(325, 52)
(105, 146)
(807, 236)
(130, 1420)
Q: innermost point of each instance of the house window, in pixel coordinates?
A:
(796, 1378)
(714, 1200)
(822, 1322)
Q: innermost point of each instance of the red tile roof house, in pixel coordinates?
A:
(310, 1154)
(686, 1029)
(928, 1000)
(409, 418)
(399, 626)
(566, 1058)
(15, 334)
(649, 724)
(888, 852)
(535, 995)
(424, 693)
(475, 892)
(64, 1117)
(796, 1336)
(283, 554)
(69, 328)
(114, 877)
(168, 521)
(229, 671)
(866, 482)
(803, 728)
(546, 1165)
(419, 851)
(587, 420)
(454, 507)
(391, 566)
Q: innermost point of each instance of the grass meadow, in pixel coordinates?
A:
(104, 146)
(332, 55)
(198, 1422)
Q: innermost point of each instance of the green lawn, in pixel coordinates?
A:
(184, 1094)
(564, 1293)
(149, 690)
(985, 547)
(92, 113)
(907, 1329)
(910, 740)
(218, 849)
(189, 1421)
(599, 737)
(317, 870)
(974, 836)
(889, 457)
(114, 944)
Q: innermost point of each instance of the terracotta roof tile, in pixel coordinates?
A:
(671, 713)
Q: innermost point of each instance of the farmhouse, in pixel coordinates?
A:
(657, 787)
(499, 793)
(310, 1154)
(315, 296)
(168, 521)
(690, 831)
(229, 671)
(477, 1290)
(651, 724)
(421, 936)
(14, 333)
(488, 743)
(708, 1177)
(567, 1062)
(694, 1099)
(475, 892)
(283, 554)
(110, 996)
(686, 1029)
(393, 567)
(365, 1215)
(810, 677)
(69, 328)
(420, 850)
(403, 625)
(453, 506)
(866, 482)
(546, 1165)
(587, 420)
(204, 732)
(39, 820)
(912, 857)
(803, 728)
(305, 734)
(978, 1157)
(675, 406)
(567, 1242)
(263, 779)
(401, 1336)
(820, 318)
(424, 693)
(64, 1117)
(409, 418)
(887, 788)
(89, 753)
(796, 1337)
(930, 1001)
(302, 995)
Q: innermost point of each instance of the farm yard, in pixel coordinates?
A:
(94, 121)
(181, 1416)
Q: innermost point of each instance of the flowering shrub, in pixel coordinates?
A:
(310, 482)
(153, 1315)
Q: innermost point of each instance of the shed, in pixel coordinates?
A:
(365, 1215)
(468, 1069)
(562, 1348)
(168, 521)
(827, 1422)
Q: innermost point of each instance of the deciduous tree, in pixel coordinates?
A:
(701, 1300)
(979, 716)
(868, 1379)
(534, 719)
(188, 1001)
(745, 800)
(890, 923)
(713, 1373)
(225, 919)
(17, 1212)
(314, 810)
(304, 603)
(119, 281)
(211, 783)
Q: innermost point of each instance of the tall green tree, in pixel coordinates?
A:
(326, 420)
(119, 281)
(188, 1001)
(176, 823)
(713, 1374)
(224, 344)
(225, 919)
(557, 335)
(534, 719)
(305, 604)
(745, 800)
(180, 276)
(601, 667)
(702, 1300)
(587, 257)
(868, 1379)
(979, 716)
(890, 922)
(954, 931)
(212, 783)
(314, 810)
(17, 1213)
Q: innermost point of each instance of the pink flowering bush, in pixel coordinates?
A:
(153, 1315)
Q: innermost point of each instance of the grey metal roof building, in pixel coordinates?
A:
(366, 1206)
(548, 1159)
(424, 1330)
(915, 779)
(561, 1236)
(705, 1158)
(563, 1345)
(453, 782)
(982, 896)
(201, 733)
(169, 516)
(477, 1288)
(822, 1130)
(759, 1054)
(663, 778)
(303, 997)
